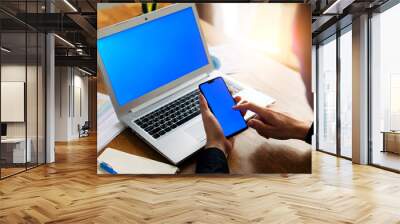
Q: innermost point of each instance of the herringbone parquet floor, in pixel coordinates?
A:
(69, 191)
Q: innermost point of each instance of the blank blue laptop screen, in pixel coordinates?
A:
(143, 58)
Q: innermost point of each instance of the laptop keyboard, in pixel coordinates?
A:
(170, 116)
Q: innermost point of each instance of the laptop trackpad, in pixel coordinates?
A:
(196, 130)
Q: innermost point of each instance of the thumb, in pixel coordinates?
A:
(207, 116)
(255, 123)
(203, 104)
(260, 127)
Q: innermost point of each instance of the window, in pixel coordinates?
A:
(22, 75)
(14, 155)
(333, 137)
(385, 89)
(346, 93)
(394, 102)
(327, 96)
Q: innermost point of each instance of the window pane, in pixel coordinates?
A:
(31, 98)
(327, 97)
(345, 94)
(385, 84)
(41, 98)
(14, 153)
(23, 82)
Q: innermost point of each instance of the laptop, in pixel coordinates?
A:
(152, 66)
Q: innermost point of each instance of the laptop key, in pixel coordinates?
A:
(157, 129)
(186, 119)
(148, 128)
(170, 116)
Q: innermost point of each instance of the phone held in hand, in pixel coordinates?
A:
(220, 102)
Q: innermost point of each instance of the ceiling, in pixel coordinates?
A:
(76, 22)
(332, 15)
(72, 20)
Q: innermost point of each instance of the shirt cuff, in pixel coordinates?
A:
(212, 160)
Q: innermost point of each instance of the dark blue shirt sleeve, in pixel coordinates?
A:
(212, 160)
(308, 138)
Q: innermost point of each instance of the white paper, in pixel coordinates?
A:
(125, 163)
(108, 124)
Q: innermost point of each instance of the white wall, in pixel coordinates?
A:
(70, 83)
(62, 81)
(80, 110)
(82, 83)
(12, 73)
(13, 100)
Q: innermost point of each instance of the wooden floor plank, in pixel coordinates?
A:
(69, 191)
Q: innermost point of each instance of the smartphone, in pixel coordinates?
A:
(220, 102)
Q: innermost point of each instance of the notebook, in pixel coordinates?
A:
(125, 163)
(108, 125)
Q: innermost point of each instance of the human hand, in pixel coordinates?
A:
(214, 133)
(273, 124)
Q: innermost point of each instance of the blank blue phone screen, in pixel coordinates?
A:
(221, 102)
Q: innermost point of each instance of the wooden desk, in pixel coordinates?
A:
(391, 141)
(252, 153)
(16, 153)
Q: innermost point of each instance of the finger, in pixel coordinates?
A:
(261, 128)
(271, 116)
(255, 123)
(243, 112)
(203, 103)
(237, 99)
(205, 115)
(252, 107)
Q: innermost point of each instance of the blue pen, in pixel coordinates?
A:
(106, 167)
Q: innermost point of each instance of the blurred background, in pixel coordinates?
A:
(266, 27)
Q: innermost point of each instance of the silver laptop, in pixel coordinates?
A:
(152, 66)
